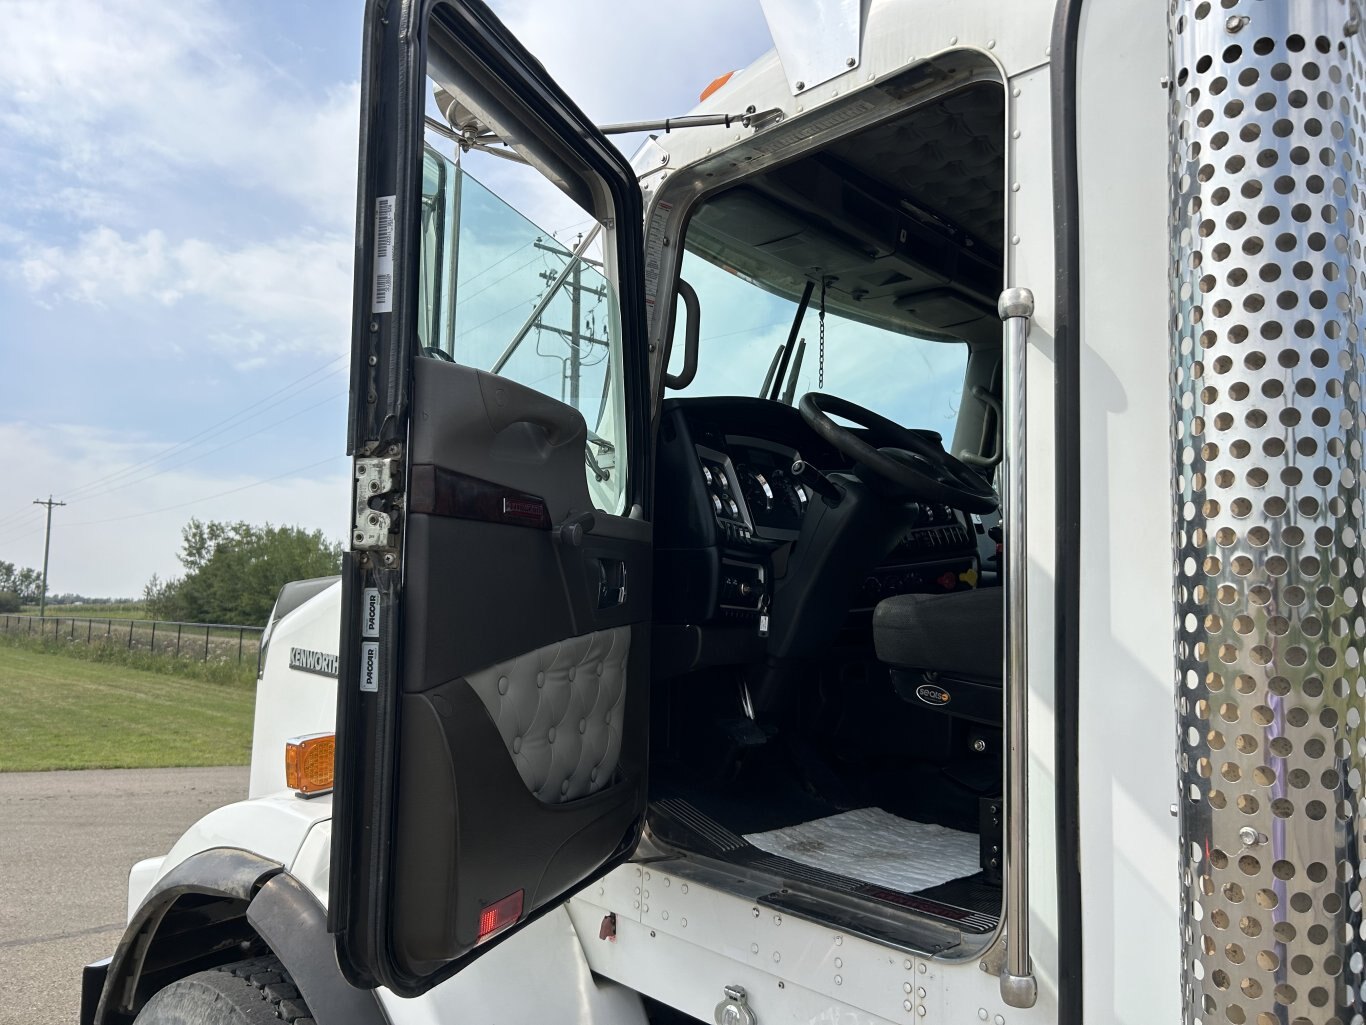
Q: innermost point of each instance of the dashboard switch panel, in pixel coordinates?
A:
(743, 586)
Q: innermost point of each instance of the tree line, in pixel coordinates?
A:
(232, 573)
(19, 586)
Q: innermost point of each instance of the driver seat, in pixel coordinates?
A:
(945, 651)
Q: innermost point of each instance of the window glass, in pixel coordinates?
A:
(914, 381)
(503, 294)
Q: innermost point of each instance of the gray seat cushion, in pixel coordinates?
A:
(958, 634)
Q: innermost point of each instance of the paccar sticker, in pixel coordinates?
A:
(383, 299)
(369, 613)
(369, 666)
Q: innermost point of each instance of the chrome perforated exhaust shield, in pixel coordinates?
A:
(1267, 281)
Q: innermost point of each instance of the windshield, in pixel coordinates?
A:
(914, 381)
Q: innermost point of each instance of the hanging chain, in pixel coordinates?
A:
(820, 377)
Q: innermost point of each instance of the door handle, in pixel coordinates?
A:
(572, 530)
(611, 583)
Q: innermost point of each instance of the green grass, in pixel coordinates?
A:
(73, 713)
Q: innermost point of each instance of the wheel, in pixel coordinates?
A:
(254, 992)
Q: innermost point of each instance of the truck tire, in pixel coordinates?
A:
(254, 992)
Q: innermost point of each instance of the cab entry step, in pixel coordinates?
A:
(966, 901)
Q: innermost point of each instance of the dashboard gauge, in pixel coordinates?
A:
(707, 475)
(734, 509)
(716, 504)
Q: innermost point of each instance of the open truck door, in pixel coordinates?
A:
(492, 709)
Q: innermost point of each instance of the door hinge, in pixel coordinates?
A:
(376, 525)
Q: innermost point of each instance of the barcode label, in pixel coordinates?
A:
(654, 252)
(383, 299)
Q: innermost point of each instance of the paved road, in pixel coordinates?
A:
(67, 840)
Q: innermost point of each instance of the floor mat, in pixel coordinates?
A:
(876, 846)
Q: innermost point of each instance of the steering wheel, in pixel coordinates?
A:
(908, 460)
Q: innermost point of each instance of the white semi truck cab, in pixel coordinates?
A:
(889, 552)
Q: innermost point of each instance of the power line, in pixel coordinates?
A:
(119, 486)
(14, 517)
(208, 498)
(192, 440)
(22, 530)
(502, 259)
(84, 490)
(461, 300)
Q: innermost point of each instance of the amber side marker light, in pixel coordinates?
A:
(499, 915)
(308, 763)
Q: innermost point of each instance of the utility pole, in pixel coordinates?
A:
(574, 335)
(47, 547)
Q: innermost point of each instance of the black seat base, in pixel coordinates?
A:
(945, 651)
(976, 700)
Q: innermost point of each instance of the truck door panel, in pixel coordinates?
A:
(487, 492)
(492, 746)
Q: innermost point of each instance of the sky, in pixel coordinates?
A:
(176, 230)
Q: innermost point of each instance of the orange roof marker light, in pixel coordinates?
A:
(309, 764)
(716, 83)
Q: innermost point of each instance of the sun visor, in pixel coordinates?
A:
(941, 309)
(746, 218)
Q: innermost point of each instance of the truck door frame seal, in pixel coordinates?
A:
(1067, 320)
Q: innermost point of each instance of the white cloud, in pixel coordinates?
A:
(131, 94)
(142, 125)
(38, 274)
(293, 293)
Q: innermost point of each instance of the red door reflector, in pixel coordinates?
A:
(499, 915)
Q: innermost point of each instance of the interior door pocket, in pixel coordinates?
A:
(611, 583)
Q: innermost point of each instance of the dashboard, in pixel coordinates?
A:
(751, 487)
(729, 512)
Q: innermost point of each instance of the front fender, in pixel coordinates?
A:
(259, 870)
(209, 909)
(273, 827)
(193, 918)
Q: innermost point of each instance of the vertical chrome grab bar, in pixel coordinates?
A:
(1018, 987)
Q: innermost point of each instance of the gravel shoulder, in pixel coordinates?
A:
(67, 840)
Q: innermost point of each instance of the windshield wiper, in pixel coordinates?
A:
(791, 389)
(785, 353)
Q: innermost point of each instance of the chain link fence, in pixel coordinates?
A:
(201, 641)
